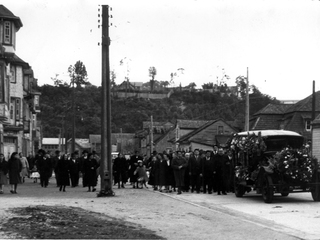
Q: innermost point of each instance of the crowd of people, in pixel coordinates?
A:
(197, 171)
(66, 168)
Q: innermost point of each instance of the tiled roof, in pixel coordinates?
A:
(7, 14)
(305, 104)
(266, 122)
(13, 58)
(189, 135)
(273, 108)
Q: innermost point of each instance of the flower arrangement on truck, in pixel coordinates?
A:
(273, 161)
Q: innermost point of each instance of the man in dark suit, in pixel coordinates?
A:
(195, 171)
(74, 167)
(207, 172)
(45, 167)
(219, 167)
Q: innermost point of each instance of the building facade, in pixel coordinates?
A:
(19, 100)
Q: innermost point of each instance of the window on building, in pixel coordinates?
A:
(18, 103)
(26, 83)
(308, 125)
(13, 78)
(7, 32)
(36, 100)
(12, 106)
(220, 130)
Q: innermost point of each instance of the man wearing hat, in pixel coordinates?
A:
(195, 171)
(207, 172)
(44, 166)
(179, 164)
(82, 159)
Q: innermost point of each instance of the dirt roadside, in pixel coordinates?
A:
(166, 215)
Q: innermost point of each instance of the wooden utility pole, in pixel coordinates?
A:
(106, 148)
(151, 135)
(313, 101)
(73, 144)
(246, 124)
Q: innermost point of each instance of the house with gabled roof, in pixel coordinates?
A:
(269, 117)
(161, 132)
(294, 117)
(214, 132)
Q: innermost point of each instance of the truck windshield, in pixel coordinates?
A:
(277, 143)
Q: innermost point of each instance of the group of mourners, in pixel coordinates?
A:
(197, 171)
(66, 168)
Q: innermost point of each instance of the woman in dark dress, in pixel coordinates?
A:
(14, 168)
(169, 172)
(90, 166)
(153, 168)
(63, 169)
(163, 173)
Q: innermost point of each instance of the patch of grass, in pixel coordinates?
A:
(60, 222)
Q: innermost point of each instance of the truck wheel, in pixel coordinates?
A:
(267, 190)
(315, 193)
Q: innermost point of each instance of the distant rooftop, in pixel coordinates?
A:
(289, 101)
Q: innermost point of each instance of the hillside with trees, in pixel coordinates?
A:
(79, 98)
(129, 113)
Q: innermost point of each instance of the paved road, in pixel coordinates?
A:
(185, 216)
(297, 215)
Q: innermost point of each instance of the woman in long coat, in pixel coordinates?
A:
(3, 172)
(153, 168)
(14, 168)
(169, 172)
(63, 169)
(179, 164)
(163, 173)
(90, 166)
(120, 168)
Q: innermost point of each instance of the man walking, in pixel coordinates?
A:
(195, 171)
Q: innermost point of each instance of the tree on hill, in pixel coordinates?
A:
(152, 74)
(192, 85)
(78, 74)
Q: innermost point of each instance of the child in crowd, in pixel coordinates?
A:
(34, 174)
(141, 173)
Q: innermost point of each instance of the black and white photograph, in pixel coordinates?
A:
(149, 119)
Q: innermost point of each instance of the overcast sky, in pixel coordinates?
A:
(279, 41)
